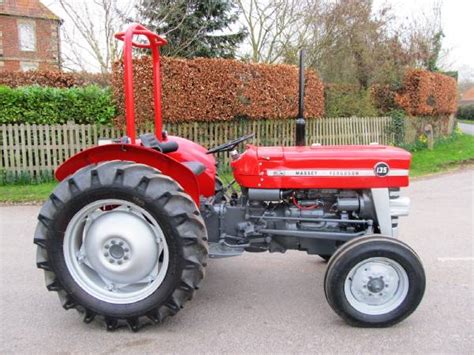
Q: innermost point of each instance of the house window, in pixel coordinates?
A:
(26, 66)
(27, 36)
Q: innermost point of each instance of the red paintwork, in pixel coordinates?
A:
(128, 152)
(154, 42)
(190, 151)
(250, 169)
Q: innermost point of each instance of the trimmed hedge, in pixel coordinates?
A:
(422, 93)
(427, 93)
(50, 78)
(35, 104)
(345, 100)
(465, 112)
(219, 89)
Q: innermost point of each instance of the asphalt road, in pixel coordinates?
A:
(262, 303)
(466, 128)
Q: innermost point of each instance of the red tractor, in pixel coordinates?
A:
(126, 235)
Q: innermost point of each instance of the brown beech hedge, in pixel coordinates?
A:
(53, 78)
(218, 89)
(427, 93)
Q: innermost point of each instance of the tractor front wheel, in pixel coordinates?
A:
(121, 242)
(374, 281)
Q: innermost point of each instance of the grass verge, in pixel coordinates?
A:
(446, 155)
(466, 121)
(26, 193)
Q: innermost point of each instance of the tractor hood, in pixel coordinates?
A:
(366, 166)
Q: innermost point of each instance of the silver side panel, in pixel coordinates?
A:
(388, 207)
(381, 200)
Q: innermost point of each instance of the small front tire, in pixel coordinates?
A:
(374, 281)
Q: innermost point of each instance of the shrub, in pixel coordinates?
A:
(51, 78)
(383, 97)
(205, 89)
(397, 126)
(427, 93)
(35, 104)
(465, 112)
(343, 100)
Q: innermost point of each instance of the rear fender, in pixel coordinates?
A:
(138, 154)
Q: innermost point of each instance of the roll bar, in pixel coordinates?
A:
(154, 43)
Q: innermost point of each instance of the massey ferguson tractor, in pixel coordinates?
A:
(125, 236)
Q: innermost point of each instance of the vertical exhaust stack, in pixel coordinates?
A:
(300, 122)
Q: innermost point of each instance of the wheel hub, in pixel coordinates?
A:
(127, 236)
(376, 285)
(116, 251)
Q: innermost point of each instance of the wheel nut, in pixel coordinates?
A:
(106, 254)
(113, 242)
(112, 261)
(120, 243)
(125, 257)
(119, 262)
(107, 246)
(126, 250)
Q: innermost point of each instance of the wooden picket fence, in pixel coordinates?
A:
(39, 149)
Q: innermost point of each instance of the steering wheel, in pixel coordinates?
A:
(229, 145)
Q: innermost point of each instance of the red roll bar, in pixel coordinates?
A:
(154, 42)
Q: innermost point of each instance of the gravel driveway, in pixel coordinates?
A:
(262, 303)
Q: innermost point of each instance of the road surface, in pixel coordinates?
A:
(262, 303)
(466, 128)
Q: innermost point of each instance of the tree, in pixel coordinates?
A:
(193, 28)
(424, 37)
(276, 28)
(88, 41)
(350, 42)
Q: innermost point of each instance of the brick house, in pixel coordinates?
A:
(467, 97)
(29, 36)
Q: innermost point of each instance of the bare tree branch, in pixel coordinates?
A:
(94, 24)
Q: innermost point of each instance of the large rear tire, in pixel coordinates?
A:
(374, 281)
(122, 243)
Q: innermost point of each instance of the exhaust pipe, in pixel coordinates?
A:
(300, 122)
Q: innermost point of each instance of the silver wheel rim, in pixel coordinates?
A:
(376, 286)
(116, 251)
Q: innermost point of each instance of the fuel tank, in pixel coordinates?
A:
(351, 167)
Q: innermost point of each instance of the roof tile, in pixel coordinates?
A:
(28, 8)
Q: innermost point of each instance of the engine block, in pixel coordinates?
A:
(314, 220)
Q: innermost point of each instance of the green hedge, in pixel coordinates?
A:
(46, 105)
(344, 100)
(465, 112)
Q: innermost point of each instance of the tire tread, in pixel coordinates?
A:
(162, 189)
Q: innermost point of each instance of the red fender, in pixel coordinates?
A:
(138, 154)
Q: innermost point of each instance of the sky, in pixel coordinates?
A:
(457, 23)
(456, 18)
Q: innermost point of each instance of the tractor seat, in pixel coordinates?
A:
(149, 140)
(196, 167)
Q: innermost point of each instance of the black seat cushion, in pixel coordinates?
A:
(149, 140)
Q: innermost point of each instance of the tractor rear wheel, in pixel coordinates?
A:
(374, 281)
(120, 242)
